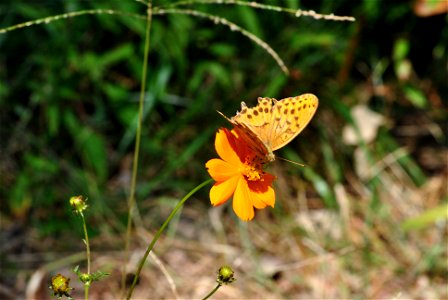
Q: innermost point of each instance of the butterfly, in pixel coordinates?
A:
(273, 123)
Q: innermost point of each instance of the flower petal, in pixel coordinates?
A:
(221, 191)
(224, 148)
(242, 204)
(220, 170)
(262, 199)
(262, 192)
(258, 204)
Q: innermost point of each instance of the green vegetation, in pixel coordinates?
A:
(365, 218)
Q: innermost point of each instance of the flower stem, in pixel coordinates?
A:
(212, 292)
(86, 239)
(86, 291)
(159, 233)
(131, 201)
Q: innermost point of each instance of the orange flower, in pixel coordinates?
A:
(239, 174)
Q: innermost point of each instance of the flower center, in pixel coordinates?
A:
(251, 171)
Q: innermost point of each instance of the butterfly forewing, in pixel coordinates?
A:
(289, 117)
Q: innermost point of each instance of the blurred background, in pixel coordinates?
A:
(366, 217)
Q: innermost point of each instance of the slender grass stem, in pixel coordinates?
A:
(86, 239)
(131, 201)
(145, 3)
(50, 19)
(212, 292)
(159, 233)
(253, 4)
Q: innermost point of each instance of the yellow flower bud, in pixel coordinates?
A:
(60, 286)
(78, 203)
(225, 275)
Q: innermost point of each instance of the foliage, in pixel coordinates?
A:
(69, 101)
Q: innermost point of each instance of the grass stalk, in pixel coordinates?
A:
(131, 200)
(51, 19)
(253, 4)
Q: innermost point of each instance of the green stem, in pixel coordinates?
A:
(86, 291)
(212, 292)
(50, 19)
(86, 239)
(131, 200)
(159, 233)
(254, 4)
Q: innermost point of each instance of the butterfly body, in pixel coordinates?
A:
(273, 123)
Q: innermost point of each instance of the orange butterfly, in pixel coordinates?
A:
(273, 123)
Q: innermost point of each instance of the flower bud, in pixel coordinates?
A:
(225, 275)
(86, 278)
(60, 286)
(78, 203)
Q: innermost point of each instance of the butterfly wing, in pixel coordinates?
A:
(289, 117)
(272, 124)
(255, 122)
(247, 133)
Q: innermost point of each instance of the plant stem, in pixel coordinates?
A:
(86, 291)
(159, 233)
(73, 14)
(254, 4)
(212, 292)
(131, 201)
(86, 239)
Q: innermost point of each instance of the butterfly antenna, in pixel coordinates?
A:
(290, 161)
(223, 115)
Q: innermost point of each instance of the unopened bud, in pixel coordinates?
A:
(78, 203)
(60, 286)
(225, 275)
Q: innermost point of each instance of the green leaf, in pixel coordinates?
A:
(415, 95)
(118, 54)
(98, 275)
(250, 20)
(222, 50)
(427, 218)
(20, 200)
(275, 85)
(401, 49)
(206, 69)
(53, 120)
(93, 150)
(41, 165)
(387, 144)
(90, 146)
